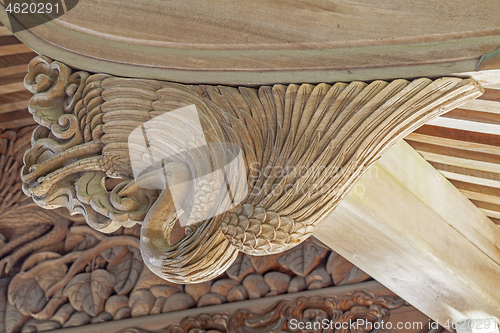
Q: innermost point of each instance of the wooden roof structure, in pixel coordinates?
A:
(460, 150)
(464, 144)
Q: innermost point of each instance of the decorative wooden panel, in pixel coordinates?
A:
(63, 274)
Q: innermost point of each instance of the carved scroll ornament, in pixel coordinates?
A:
(315, 313)
(302, 148)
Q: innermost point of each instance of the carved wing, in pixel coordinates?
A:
(307, 145)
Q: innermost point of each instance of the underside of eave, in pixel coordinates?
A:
(464, 144)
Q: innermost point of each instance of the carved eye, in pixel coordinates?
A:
(169, 174)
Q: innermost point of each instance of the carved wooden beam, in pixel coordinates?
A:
(413, 231)
(256, 42)
(357, 307)
(125, 151)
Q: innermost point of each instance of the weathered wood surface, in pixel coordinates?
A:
(90, 278)
(464, 145)
(57, 273)
(261, 42)
(137, 292)
(414, 232)
(299, 149)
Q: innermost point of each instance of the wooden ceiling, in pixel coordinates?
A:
(464, 144)
(14, 59)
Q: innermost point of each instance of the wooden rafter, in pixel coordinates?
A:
(464, 145)
(14, 98)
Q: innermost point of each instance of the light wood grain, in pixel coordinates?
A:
(473, 161)
(491, 95)
(11, 88)
(4, 31)
(471, 179)
(411, 211)
(14, 49)
(13, 94)
(8, 107)
(200, 24)
(476, 188)
(491, 213)
(476, 116)
(462, 162)
(261, 42)
(451, 143)
(466, 125)
(481, 197)
(483, 106)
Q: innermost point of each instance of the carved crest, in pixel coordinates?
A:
(301, 148)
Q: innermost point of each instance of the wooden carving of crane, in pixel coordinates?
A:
(302, 147)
